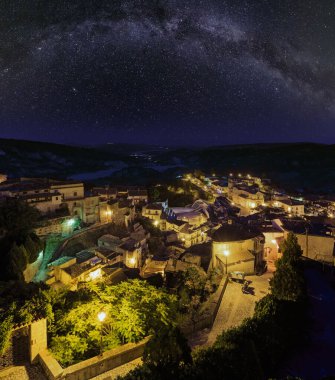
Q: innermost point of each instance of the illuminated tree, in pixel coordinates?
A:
(134, 309)
(291, 249)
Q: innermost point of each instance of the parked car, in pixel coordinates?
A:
(236, 276)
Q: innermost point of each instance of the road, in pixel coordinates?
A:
(234, 308)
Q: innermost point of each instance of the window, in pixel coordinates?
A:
(56, 198)
(75, 194)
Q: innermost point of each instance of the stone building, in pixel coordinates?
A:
(237, 248)
(316, 240)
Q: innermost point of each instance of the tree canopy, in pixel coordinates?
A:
(19, 245)
(134, 309)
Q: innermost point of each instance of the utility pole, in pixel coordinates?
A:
(307, 241)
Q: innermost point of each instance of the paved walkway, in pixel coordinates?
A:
(28, 372)
(234, 308)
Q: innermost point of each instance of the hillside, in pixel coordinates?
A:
(301, 166)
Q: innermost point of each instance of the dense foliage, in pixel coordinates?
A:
(19, 246)
(177, 193)
(288, 282)
(134, 310)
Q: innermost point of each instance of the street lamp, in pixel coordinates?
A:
(226, 253)
(101, 317)
(132, 261)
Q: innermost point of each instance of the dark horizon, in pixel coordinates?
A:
(170, 146)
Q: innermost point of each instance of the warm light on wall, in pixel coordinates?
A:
(132, 261)
(95, 274)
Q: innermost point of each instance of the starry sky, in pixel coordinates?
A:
(168, 72)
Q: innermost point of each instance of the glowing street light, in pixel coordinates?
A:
(226, 254)
(101, 316)
(70, 222)
(132, 261)
(156, 223)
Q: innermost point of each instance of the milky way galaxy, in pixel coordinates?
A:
(167, 72)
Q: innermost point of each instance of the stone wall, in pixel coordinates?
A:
(207, 319)
(95, 366)
(25, 343)
(38, 338)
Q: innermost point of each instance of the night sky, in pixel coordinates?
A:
(167, 72)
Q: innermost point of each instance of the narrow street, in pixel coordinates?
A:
(234, 308)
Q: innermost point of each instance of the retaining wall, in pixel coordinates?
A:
(95, 366)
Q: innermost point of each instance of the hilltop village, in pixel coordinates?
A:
(104, 278)
(123, 231)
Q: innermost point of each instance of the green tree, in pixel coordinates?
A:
(17, 218)
(5, 333)
(287, 283)
(196, 281)
(166, 351)
(33, 246)
(18, 245)
(291, 249)
(16, 261)
(134, 309)
(68, 349)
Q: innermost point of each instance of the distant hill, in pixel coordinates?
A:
(301, 166)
